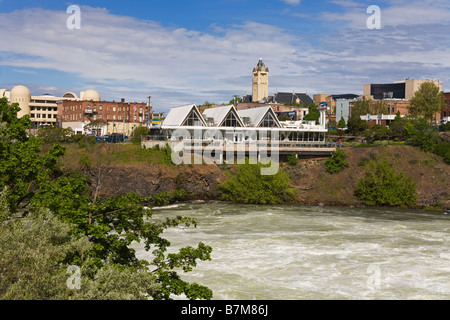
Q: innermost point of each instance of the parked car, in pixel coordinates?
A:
(115, 138)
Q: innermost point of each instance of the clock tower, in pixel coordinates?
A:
(260, 86)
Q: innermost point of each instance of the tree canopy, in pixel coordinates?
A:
(427, 101)
(32, 181)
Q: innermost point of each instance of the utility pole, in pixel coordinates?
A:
(148, 110)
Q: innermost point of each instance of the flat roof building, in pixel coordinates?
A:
(397, 90)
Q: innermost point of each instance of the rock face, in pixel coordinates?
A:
(313, 184)
(201, 181)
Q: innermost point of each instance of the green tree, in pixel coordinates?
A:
(382, 186)
(96, 125)
(22, 164)
(421, 134)
(110, 224)
(397, 127)
(341, 124)
(337, 162)
(292, 159)
(113, 224)
(51, 135)
(427, 101)
(248, 186)
(34, 268)
(355, 124)
(138, 132)
(377, 132)
(313, 113)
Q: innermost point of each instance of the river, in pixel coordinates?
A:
(302, 252)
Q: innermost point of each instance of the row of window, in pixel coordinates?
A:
(100, 108)
(54, 109)
(43, 116)
(79, 117)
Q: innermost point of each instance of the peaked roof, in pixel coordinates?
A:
(256, 115)
(177, 116)
(260, 66)
(219, 114)
(286, 97)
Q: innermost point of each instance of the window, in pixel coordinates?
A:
(268, 121)
(114, 109)
(192, 120)
(100, 107)
(231, 121)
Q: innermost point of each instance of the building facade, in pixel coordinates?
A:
(118, 117)
(76, 112)
(397, 90)
(42, 109)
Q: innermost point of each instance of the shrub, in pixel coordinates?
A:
(292, 159)
(248, 186)
(337, 162)
(443, 149)
(383, 187)
(137, 133)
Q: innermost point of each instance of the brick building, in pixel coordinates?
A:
(119, 117)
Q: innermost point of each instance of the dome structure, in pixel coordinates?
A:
(20, 92)
(21, 95)
(3, 93)
(91, 94)
(70, 95)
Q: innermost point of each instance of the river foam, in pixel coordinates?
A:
(296, 252)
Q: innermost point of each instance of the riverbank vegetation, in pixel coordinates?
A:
(80, 229)
(382, 186)
(249, 186)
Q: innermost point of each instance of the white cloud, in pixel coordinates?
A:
(128, 57)
(292, 2)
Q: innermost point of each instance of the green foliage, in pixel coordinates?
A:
(165, 198)
(313, 113)
(377, 132)
(34, 267)
(110, 225)
(52, 135)
(444, 127)
(382, 186)
(341, 124)
(292, 159)
(355, 125)
(443, 149)
(22, 164)
(137, 133)
(248, 186)
(422, 134)
(397, 127)
(337, 162)
(427, 101)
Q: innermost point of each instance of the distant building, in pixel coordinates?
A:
(119, 117)
(331, 101)
(42, 109)
(343, 109)
(260, 91)
(260, 82)
(397, 90)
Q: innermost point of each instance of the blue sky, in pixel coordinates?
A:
(182, 52)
